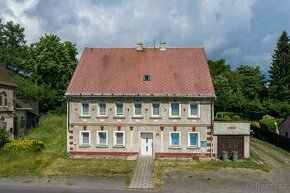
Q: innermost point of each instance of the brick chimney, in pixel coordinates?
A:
(162, 46)
(139, 46)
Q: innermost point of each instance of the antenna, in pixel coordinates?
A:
(154, 40)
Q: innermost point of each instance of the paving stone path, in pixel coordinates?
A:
(143, 173)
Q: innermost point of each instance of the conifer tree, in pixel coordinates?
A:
(280, 70)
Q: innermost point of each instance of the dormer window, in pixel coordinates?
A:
(146, 77)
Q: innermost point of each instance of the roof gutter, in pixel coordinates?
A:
(140, 95)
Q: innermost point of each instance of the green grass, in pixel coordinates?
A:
(53, 161)
(266, 144)
(268, 154)
(89, 167)
(255, 162)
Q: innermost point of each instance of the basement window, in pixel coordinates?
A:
(146, 77)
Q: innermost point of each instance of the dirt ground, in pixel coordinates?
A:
(234, 180)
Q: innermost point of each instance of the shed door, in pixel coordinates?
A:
(231, 143)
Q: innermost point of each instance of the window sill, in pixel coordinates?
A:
(193, 147)
(174, 117)
(172, 147)
(155, 117)
(101, 146)
(84, 146)
(84, 116)
(119, 146)
(119, 117)
(193, 117)
(138, 117)
(102, 117)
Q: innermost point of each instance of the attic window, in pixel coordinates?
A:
(146, 77)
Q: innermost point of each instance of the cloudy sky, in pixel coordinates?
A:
(241, 31)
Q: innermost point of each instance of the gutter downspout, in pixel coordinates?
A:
(67, 114)
(211, 127)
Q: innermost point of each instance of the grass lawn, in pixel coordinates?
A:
(278, 149)
(53, 161)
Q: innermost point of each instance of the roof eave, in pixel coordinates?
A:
(8, 84)
(138, 94)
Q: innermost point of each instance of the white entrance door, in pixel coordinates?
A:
(146, 143)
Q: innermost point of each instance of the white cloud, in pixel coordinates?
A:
(269, 39)
(231, 29)
(17, 14)
(231, 52)
(260, 59)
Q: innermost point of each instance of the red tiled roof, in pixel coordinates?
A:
(180, 71)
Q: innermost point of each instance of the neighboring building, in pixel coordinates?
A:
(284, 128)
(15, 115)
(141, 101)
(7, 110)
(27, 116)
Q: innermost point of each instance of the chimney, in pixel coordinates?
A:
(162, 46)
(139, 46)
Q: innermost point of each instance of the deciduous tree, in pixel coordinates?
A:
(51, 63)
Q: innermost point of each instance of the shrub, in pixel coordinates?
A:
(268, 123)
(255, 124)
(3, 137)
(236, 118)
(227, 118)
(279, 121)
(23, 145)
(229, 114)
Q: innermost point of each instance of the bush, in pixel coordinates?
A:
(236, 118)
(23, 145)
(3, 137)
(268, 123)
(255, 124)
(279, 121)
(227, 118)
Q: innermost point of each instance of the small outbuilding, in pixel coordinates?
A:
(233, 137)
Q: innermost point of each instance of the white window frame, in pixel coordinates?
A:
(198, 140)
(81, 138)
(82, 110)
(152, 109)
(115, 139)
(170, 139)
(116, 109)
(98, 139)
(99, 109)
(198, 109)
(134, 109)
(170, 110)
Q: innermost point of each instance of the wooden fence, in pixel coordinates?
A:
(273, 138)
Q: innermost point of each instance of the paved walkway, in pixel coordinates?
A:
(143, 173)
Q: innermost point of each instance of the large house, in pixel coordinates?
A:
(141, 101)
